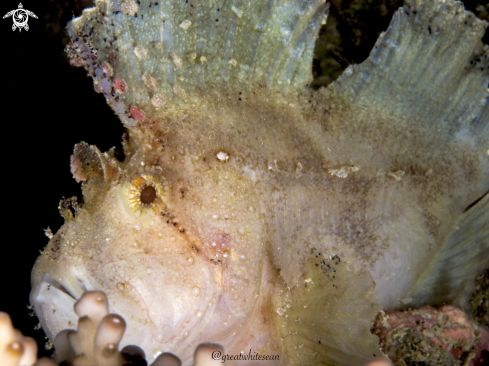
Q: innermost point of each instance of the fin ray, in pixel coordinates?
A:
(199, 46)
(463, 256)
(431, 56)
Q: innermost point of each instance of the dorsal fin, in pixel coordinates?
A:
(431, 57)
(429, 72)
(176, 50)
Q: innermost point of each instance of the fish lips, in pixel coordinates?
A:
(55, 290)
(155, 316)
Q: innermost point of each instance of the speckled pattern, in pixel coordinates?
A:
(274, 204)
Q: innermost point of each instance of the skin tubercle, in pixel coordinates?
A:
(201, 240)
(375, 168)
(233, 210)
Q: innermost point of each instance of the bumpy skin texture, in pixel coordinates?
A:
(479, 302)
(429, 336)
(251, 211)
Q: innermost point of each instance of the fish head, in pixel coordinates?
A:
(176, 246)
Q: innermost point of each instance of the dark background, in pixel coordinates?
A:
(47, 107)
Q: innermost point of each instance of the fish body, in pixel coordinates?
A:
(256, 213)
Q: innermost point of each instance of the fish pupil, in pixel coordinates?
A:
(148, 195)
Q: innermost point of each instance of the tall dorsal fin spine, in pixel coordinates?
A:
(429, 72)
(430, 57)
(178, 50)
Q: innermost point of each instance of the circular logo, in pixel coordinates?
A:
(20, 17)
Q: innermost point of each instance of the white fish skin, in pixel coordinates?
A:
(251, 211)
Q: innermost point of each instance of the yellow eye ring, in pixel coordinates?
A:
(146, 190)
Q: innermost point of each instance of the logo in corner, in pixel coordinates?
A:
(20, 17)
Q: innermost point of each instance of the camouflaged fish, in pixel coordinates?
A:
(254, 212)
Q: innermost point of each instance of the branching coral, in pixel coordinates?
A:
(94, 343)
(15, 349)
(98, 335)
(96, 340)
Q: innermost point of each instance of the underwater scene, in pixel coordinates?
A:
(246, 182)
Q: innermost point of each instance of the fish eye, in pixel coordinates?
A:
(148, 195)
(145, 190)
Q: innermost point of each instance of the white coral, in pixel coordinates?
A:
(15, 349)
(94, 343)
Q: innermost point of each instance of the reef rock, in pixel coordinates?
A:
(253, 212)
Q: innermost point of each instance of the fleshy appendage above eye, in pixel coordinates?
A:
(147, 190)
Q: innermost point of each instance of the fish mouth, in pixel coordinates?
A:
(53, 303)
(53, 284)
